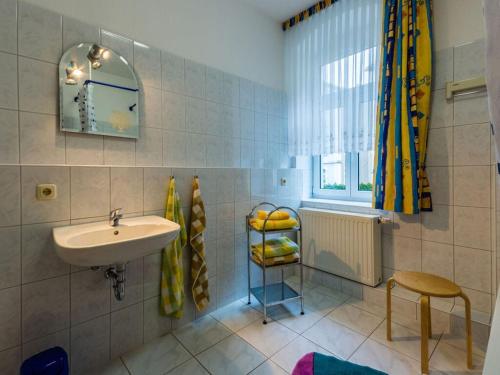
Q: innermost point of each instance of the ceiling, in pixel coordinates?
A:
(281, 10)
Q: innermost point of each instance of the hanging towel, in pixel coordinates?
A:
(276, 215)
(199, 272)
(172, 279)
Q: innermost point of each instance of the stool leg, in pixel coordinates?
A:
(468, 328)
(429, 318)
(390, 283)
(424, 345)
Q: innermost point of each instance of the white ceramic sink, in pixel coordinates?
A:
(100, 244)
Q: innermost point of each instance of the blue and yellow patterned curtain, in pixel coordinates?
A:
(400, 180)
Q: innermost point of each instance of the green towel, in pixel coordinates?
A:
(276, 247)
(172, 278)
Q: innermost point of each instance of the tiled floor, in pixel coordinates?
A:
(233, 340)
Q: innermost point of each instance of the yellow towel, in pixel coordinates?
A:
(276, 215)
(276, 247)
(199, 272)
(172, 277)
(274, 224)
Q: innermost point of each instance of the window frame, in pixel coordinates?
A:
(351, 193)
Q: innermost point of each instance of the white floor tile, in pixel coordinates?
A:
(287, 357)
(268, 338)
(289, 315)
(191, 367)
(404, 340)
(157, 357)
(379, 357)
(268, 368)
(367, 306)
(358, 320)
(334, 337)
(321, 303)
(114, 368)
(236, 315)
(449, 359)
(201, 334)
(231, 356)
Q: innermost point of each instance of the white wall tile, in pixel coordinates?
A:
(231, 90)
(473, 268)
(225, 185)
(45, 307)
(247, 153)
(40, 33)
(261, 126)
(472, 186)
(149, 147)
(174, 111)
(10, 257)
(213, 122)
(147, 65)
(90, 295)
(441, 183)
(471, 109)
(247, 99)
(38, 90)
(75, 32)
(8, 31)
(442, 68)
(10, 201)
(60, 338)
(90, 346)
(155, 324)
(215, 151)
(232, 149)
(231, 122)
(196, 151)
(152, 275)
(247, 124)
(35, 211)
(480, 300)
(8, 81)
(438, 225)
(437, 258)
(156, 181)
(174, 148)
(41, 140)
(472, 227)
(84, 149)
(214, 85)
(127, 189)
(90, 192)
(260, 98)
(402, 253)
(119, 151)
(9, 137)
(440, 147)
(471, 144)
(260, 154)
(172, 72)
(442, 110)
(151, 107)
(39, 258)
(119, 44)
(195, 115)
(195, 79)
(469, 60)
(10, 317)
(126, 329)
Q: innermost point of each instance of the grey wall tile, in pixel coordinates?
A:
(231, 87)
(261, 126)
(213, 122)
(10, 360)
(76, 32)
(440, 147)
(438, 225)
(90, 346)
(156, 182)
(472, 186)
(149, 147)
(195, 79)
(9, 137)
(155, 324)
(471, 144)
(247, 153)
(232, 152)
(84, 149)
(214, 85)
(441, 182)
(60, 338)
(10, 201)
(90, 295)
(119, 44)
(260, 95)
(8, 81)
(39, 258)
(126, 329)
(8, 31)
(151, 109)
(38, 91)
(196, 151)
(40, 33)
(90, 192)
(127, 189)
(119, 151)
(10, 257)
(231, 122)
(41, 140)
(147, 65)
(225, 186)
(152, 275)
(247, 99)
(471, 109)
(437, 258)
(215, 151)
(247, 124)
(442, 110)
(45, 307)
(442, 68)
(35, 211)
(472, 227)
(195, 115)
(172, 72)
(174, 148)
(174, 111)
(469, 60)
(473, 268)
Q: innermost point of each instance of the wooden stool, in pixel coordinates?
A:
(428, 286)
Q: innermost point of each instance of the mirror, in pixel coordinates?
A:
(98, 92)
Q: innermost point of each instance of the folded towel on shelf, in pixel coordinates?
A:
(276, 215)
(273, 224)
(285, 259)
(276, 247)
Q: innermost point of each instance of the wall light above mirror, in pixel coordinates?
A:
(98, 92)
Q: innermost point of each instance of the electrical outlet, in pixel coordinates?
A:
(45, 192)
(283, 181)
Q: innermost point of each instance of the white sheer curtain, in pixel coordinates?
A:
(331, 78)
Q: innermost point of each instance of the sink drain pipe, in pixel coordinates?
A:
(117, 275)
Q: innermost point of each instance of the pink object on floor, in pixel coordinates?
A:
(305, 365)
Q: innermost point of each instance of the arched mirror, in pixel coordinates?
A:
(98, 92)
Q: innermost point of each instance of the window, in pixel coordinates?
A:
(344, 176)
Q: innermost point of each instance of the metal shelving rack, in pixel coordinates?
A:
(278, 293)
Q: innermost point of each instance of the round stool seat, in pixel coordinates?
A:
(427, 284)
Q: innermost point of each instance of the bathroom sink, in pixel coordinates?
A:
(100, 244)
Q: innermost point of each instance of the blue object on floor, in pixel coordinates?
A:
(52, 361)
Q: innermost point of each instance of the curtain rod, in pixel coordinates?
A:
(305, 14)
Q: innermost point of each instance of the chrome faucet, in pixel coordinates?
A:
(115, 216)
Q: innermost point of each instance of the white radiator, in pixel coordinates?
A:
(342, 243)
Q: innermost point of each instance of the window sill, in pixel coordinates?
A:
(340, 205)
